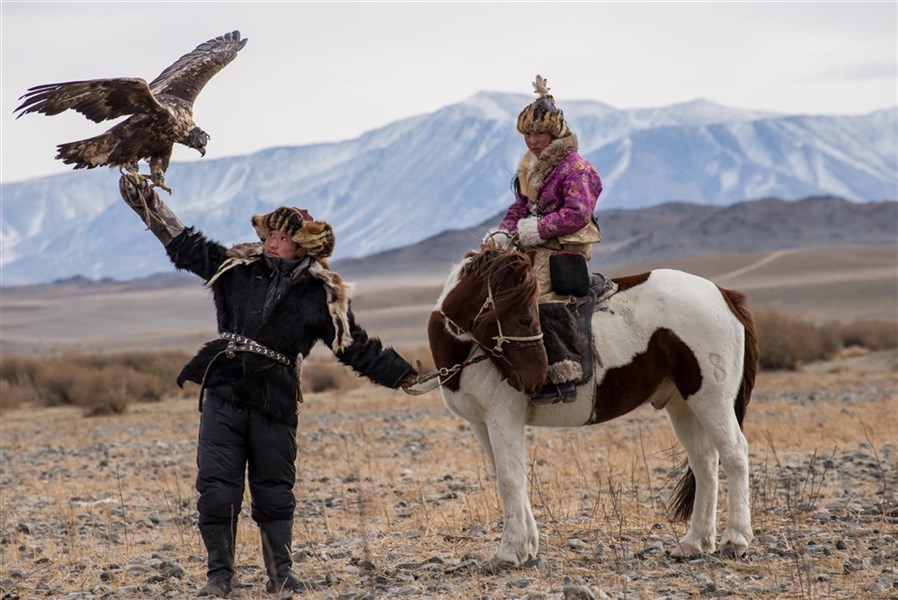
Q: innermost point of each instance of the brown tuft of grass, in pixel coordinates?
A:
(325, 373)
(872, 335)
(12, 396)
(787, 342)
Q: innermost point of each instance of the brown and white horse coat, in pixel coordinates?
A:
(667, 338)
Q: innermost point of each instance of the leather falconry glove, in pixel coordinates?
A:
(144, 200)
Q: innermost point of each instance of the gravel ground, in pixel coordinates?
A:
(395, 500)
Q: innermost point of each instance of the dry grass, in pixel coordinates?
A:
(101, 384)
(387, 482)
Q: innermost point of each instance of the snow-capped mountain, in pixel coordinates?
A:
(449, 169)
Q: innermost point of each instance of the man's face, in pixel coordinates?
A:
(278, 245)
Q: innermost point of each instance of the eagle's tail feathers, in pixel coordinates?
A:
(89, 153)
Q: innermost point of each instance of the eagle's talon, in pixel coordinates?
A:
(163, 186)
(136, 179)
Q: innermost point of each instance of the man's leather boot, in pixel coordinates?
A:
(277, 541)
(220, 545)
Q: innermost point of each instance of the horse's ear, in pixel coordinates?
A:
(531, 255)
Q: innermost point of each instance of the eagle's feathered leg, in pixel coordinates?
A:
(157, 173)
(158, 180)
(140, 186)
(132, 172)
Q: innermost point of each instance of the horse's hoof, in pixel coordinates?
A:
(733, 551)
(685, 551)
(494, 566)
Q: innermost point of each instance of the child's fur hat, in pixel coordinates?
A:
(541, 116)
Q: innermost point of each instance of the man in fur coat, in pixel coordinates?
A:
(274, 300)
(556, 190)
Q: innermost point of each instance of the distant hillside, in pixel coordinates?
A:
(666, 231)
(674, 230)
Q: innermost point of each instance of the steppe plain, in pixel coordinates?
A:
(394, 496)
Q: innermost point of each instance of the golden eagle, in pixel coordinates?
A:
(161, 111)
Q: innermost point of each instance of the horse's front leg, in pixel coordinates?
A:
(520, 536)
(483, 436)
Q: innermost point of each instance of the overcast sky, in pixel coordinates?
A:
(321, 72)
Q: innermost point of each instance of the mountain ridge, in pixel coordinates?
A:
(405, 182)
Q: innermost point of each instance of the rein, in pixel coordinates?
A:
(514, 343)
(445, 372)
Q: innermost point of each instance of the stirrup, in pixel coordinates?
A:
(553, 393)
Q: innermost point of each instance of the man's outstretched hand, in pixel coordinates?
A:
(143, 199)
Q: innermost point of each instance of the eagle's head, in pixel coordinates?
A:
(197, 138)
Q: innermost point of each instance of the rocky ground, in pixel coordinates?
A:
(395, 500)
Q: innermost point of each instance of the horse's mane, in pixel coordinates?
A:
(508, 275)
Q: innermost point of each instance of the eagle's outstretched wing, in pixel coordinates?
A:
(97, 99)
(190, 73)
(161, 111)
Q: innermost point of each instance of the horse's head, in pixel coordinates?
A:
(494, 302)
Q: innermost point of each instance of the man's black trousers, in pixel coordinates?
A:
(232, 438)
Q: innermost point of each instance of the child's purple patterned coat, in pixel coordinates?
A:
(565, 187)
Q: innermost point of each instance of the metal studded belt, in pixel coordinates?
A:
(239, 343)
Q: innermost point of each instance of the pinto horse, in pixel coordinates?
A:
(665, 337)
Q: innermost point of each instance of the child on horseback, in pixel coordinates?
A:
(555, 190)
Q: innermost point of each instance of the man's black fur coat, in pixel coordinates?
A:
(294, 323)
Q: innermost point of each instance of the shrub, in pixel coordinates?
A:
(160, 365)
(325, 373)
(103, 391)
(321, 374)
(101, 383)
(787, 343)
(55, 379)
(873, 335)
(12, 396)
(17, 370)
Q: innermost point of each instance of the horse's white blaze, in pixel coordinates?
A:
(450, 284)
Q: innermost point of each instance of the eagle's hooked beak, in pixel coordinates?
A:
(197, 138)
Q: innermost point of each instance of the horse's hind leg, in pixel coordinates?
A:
(722, 427)
(703, 457)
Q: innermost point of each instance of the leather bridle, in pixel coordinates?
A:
(514, 342)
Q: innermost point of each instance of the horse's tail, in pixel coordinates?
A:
(683, 498)
(750, 355)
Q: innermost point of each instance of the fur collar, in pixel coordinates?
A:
(338, 291)
(532, 171)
